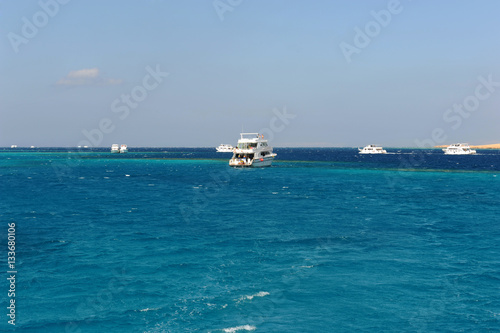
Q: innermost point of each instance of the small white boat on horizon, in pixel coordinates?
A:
(252, 151)
(13, 146)
(115, 148)
(223, 148)
(372, 149)
(459, 149)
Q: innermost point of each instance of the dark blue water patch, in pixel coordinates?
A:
(397, 158)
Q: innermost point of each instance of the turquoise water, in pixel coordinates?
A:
(325, 240)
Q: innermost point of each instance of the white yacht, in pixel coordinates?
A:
(13, 146)
(372, 149)
(123, 149)
(252, 151)
(459, 149)
(223, 148)
(115, 148)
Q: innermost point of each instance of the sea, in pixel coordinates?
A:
(175, 240)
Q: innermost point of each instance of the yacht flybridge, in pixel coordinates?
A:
(252, 151)
(372, 149)
(459, 149)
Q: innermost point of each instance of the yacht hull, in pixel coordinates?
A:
(460, 153)
(262, 162)
(373, 153)
(255, 163)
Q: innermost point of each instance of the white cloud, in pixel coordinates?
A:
(86, 76)
(84, 73)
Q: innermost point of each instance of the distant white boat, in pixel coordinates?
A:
(223, 148)
(32, 147)
(372, 149)
(123, 149)
(252, 151)
(115, 148)
(459, 149)
(13, 146)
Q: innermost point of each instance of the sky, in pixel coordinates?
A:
(195, 73)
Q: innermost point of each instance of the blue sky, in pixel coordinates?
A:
(422, 72)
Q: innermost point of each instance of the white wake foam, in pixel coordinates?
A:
(250, 297)
(148, 309)
(240, 328)
(259, 294)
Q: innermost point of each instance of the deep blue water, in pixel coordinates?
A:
(325, 240)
